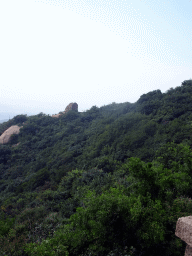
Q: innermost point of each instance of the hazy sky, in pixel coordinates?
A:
(92, 52)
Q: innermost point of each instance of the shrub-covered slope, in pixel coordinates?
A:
(101, 181)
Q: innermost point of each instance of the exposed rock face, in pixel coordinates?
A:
(58, 115)
(71, 106)
(183, 231)
(188, 250)
(5, 137)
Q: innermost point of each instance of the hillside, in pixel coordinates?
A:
(99, 182)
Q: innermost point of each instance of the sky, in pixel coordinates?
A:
(92, 52)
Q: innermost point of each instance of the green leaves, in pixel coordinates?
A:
(153, 227)
(101, 224)
(49, 247)
(114, 220)
(157, 180)
(6, 225)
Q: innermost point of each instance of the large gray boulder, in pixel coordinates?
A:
(184, 231)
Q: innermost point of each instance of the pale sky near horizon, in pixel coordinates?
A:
(90, 52)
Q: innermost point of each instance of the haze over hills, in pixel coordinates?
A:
(9, 115)
(8, 111)
(3, 120)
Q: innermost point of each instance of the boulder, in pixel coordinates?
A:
(5, 137)
(71, 106)
(184, 231)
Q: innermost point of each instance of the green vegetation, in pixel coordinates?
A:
(109, 181)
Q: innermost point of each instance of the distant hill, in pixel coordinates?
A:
(6, 114)
(4, 120)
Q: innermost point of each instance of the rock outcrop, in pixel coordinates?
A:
(6, 136)
(71, 106)
(183, 231)
(58, 115)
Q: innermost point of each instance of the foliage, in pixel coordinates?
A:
(121, 173)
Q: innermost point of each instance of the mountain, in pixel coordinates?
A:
(111, 181)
